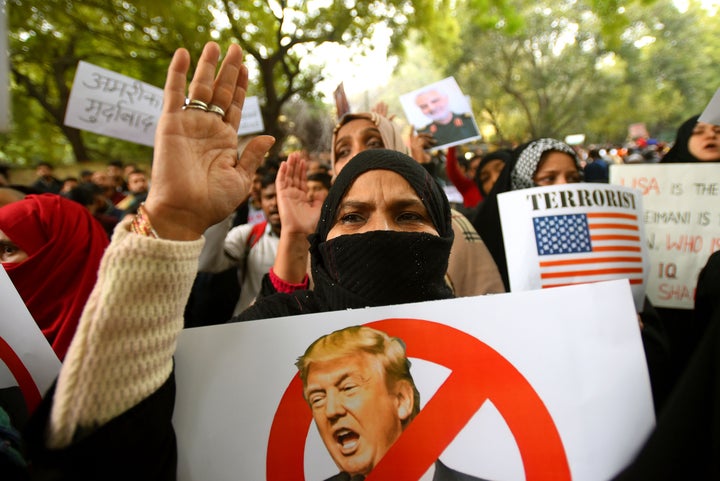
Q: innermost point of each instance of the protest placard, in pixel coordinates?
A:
(546, 384)
(118, 106)
(574, 233)
(682, 224)
(711, 114)
(26, 358)
(441, 110)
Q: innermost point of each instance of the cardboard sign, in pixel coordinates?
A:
(118, 106)
(574, 233)
(547, 384)
(26, 358)
(441, 110)
(682, 224)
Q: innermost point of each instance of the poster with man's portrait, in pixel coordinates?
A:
(442, 111)
(548, 384)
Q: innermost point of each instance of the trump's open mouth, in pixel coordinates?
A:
(347, 440)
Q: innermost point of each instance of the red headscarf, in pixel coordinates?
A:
(64, 244)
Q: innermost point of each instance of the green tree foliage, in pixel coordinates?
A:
(557, 75)
(48, 39)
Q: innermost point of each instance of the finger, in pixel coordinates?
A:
(254, 153)
(281, 179)
(201, 86)
(234, 112)
(226, 80)
(175, 82)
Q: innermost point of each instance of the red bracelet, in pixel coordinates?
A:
(283, 286)
(141, 224)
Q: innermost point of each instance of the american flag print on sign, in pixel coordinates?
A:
(591, 247)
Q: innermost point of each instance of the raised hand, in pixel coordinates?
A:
(297, 214)
(198, 178)
(418, 145)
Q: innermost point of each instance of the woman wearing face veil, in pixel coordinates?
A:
(371, 268)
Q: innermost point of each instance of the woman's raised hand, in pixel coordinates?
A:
(198, 178)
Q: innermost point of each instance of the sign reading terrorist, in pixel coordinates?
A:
(570, 234)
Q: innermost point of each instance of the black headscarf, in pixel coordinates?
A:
(505, 155)
(382, 267)
(375, 268)
(679, 151)
(517, 174)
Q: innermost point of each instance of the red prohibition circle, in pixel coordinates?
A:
(27, 385)
(478, 373)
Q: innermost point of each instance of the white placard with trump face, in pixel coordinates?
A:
(574, 233)
(548, 384)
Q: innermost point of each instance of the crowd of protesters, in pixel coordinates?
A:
(113, 201)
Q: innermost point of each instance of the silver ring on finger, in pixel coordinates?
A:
(216, 110)
(195, 104)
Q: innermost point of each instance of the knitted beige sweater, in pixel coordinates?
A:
(122, 350)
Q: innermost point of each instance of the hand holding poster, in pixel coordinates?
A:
(494, 402)
(574, 233)
(682, 223)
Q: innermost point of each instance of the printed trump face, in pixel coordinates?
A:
(358, 415)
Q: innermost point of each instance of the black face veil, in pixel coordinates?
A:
(382, 267)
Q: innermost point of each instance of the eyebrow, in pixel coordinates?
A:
(313, 389)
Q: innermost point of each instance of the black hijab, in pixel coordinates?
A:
(374, 268)
(517, 174)
(679, 151)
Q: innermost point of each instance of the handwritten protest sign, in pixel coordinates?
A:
(252, 120)
(569, 234)
(112, 104)
(682, 224)
(26, 358)
(495, 402)
(115, 105)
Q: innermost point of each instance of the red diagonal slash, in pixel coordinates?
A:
(478, 373)
(27, 385)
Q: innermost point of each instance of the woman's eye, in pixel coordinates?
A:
(410, 216)
(375, 143)
(350, 218)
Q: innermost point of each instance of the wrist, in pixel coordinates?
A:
(171, 224)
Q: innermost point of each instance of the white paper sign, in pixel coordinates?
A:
(115, 105)
(26, 358)
(4, 73)
(547, 384)
(112, 104)
(252, 120)
(711, 114)
(682, 224)
(574, 233)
